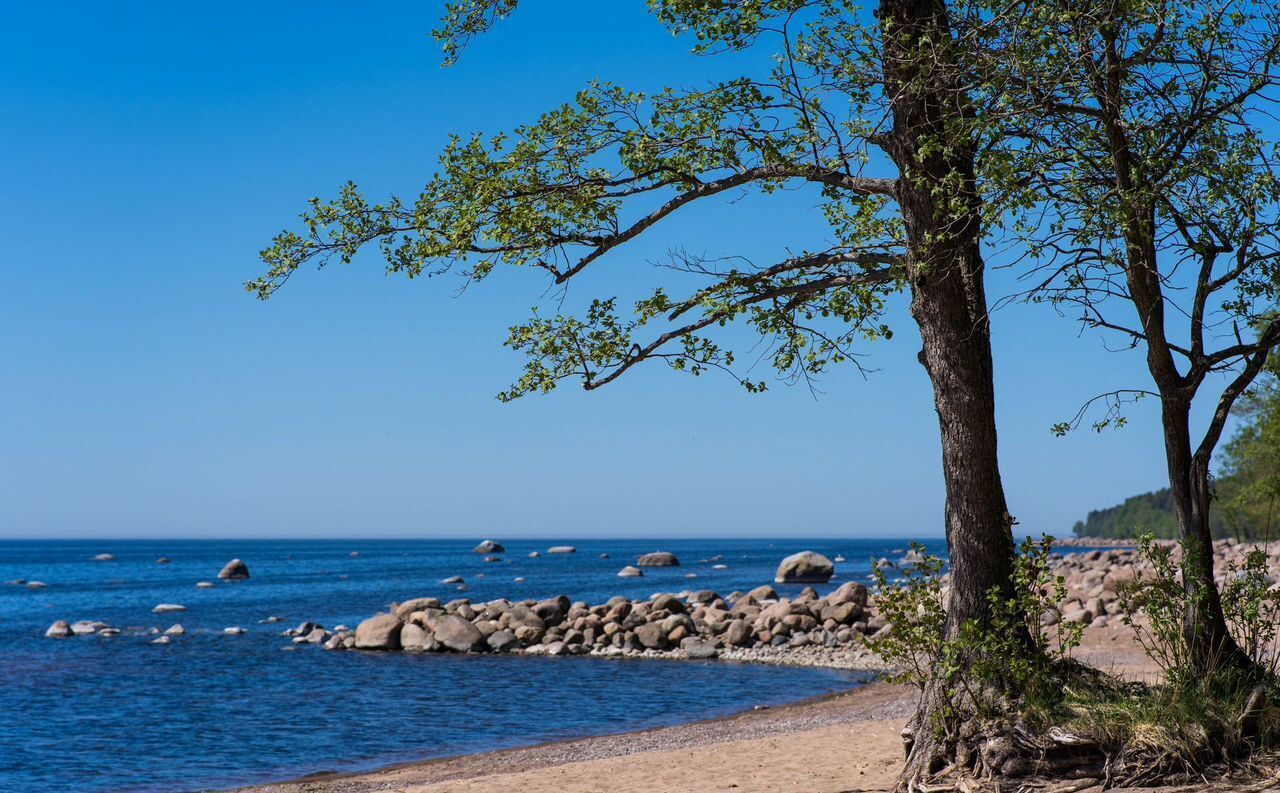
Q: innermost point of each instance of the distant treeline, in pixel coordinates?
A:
(1148, 512)
(1247, 492)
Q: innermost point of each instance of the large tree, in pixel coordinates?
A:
(1139, 143)
(870, 114)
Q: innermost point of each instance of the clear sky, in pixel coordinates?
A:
(150, 150)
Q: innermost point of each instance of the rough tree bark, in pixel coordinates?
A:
(941, 210)
(1204, 626)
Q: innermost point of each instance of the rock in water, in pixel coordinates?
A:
(489, 546)
(630, 572)
(235, 570)
(453, 579)
(175, 630)
(380, 632)
(698, 648)
(234, 630)
(104, 557)
(534, 554)
(562, 549)
(204, 585)
(658, 559)
(457, 634)
(59, 630)
(166, 607)
(163, 560)
(805, 567)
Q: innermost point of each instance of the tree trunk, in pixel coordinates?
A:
(941, 211)
(1204, 628)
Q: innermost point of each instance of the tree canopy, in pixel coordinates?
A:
(595, 173)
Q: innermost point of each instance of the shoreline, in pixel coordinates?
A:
(873, 702)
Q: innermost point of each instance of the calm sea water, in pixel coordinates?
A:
(212, 711)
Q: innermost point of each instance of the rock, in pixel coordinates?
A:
(698, 648)
(562, 549)
(630, 572)
(765, 592)
(163, 560)
(161, 640)
(59, 630)
(379, 632)
(719, 567)
(234, 570)
(652, 636)
(86, 627)
(534, 554)
(604, 556)
(669, 603)
(104, 557)
(415, 638)
(109, 632)
(658, 559)
(739, 633)
(175, 629)
(204, 585)
(234, 630)
(489, 546)
(850, 592)
(457, 634)
(36, 585)
(805, 567)
(502, 642)
(492, 559)
(453, 579)
(416, 604)
(168, 607)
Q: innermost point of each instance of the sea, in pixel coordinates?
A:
(213, 711)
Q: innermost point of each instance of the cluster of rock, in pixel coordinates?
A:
(1094, 578)
(691, 624)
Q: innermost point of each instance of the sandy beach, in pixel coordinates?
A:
(847, 743)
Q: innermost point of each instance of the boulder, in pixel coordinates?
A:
(658, 559)
(562, 549)
(36, 585)
(168, 607)
(698, 648)
(416, 604)
(457, 634)
(59, 630)
(850, 592)
(489, 546)
(415, 638)
(175, 629)
(161, 640)
(502, 642)
(652, 636)
(805, 567)
(739, 633)
(204, 585)
(379, 632)
(534, 554)
(234, 630)
(234, 570)
(764, 592)
(630, 572)
(104, 557)
(86, 627)
(163, 560)
(669, 603)
(453, 579)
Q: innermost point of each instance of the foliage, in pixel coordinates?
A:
(1011, 652)
(1193, 715)
(1145, 513)
(1252, 461)
(589, 176)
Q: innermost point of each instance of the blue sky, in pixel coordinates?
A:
(150, 150)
